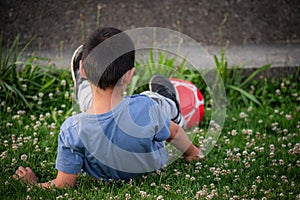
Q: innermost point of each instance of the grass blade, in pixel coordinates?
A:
(17, 92)
(46, 85)
(246, 94)
(255, 73)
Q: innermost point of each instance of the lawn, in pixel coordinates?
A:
(255, 157)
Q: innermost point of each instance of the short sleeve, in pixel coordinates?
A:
(162, 124)
(69, 158)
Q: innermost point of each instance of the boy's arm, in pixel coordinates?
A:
(180, 140)
(62, 179)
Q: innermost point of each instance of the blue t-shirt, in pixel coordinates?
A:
(120, 144)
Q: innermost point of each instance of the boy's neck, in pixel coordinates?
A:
(104, 100)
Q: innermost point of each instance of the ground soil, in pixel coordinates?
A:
(59, 24)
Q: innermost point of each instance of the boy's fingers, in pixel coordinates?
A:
(22, 169)
(15, 177)
(29, 170)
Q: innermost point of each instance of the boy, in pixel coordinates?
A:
(115, 137)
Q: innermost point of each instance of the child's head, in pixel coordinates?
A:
(106, 77)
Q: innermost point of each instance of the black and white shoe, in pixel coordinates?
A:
(164, 87)
(77, 79)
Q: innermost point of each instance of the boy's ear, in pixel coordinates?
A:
(127, 77)
(81, 70)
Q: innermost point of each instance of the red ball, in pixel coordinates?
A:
(191, 102)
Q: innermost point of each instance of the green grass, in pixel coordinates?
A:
(256, 156)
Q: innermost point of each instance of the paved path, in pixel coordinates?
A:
(250, 56)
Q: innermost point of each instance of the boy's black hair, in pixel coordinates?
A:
(95, 55)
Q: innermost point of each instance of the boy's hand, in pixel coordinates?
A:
(180, 140)
(25, 175)
(193, 153)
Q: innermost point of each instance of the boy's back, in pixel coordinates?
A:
(118, 144)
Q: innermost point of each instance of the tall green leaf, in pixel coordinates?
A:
(246, 94)
(255, 73)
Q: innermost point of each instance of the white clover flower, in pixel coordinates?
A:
(127, 196)
(243, 115)
(47, 114)
(143, 193)
(41, 94)
(16, 117)
(9, 124)
(288, 117)
(260, 121)
(8, 109)
(5, 143)
(278, 92)
(50, 95)
(247, 164)
(281, 195)
(67, 94)
(234, 132)
(153, 184)
(37, 148)
(26, 127)
(35, 98)
(200, 194)
(261, 149)
(24, 87)
(63, 82)
(24, 157)
(35, 140)
(3, 154)
(249, 132)
(252, 154)
(21, 112)
(59, 112)
(295, 94)
(59, 197)
(258, 179)
(32, 117)
(250, 109)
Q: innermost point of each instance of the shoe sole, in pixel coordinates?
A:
(161, 80)
(73, 59)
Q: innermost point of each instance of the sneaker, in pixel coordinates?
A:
(77, 79)
(164, 87)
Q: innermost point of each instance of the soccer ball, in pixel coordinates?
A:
(191, 102)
